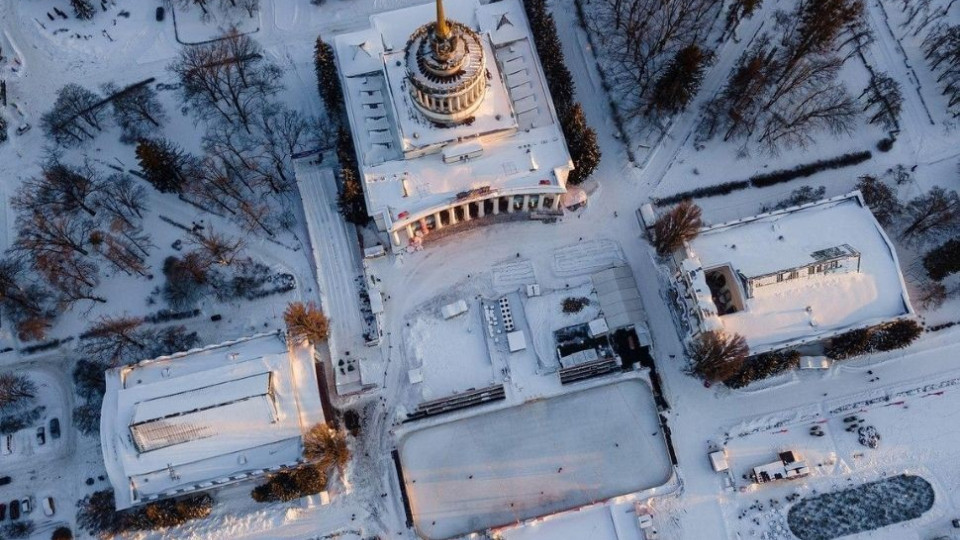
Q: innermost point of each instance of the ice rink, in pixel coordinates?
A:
(537, 458)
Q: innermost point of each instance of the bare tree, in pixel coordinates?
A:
(122, 199)
(73, 277)
(15, 391)
(681, 224)
(114, 340)
(228, 78)
(717, 356)
(884, 98)
(76, 116)
(60, 190)
(27, 304)
(642, 36)
(220, 248)
(937, 210)
(137, 111)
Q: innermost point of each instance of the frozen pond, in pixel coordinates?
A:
(534, 459)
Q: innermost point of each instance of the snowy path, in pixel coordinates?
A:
(336, 254)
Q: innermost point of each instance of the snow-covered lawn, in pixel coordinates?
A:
(452, 353)
(534, 459)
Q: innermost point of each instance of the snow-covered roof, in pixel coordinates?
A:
(516, 341)
(800, 310)
(207, 417)
(400, 152)
(619, 298)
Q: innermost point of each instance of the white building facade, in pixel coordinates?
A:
(451, 117)
(206, 418)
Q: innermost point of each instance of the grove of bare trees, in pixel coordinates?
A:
(717, 356)
(649, 43)
(941, 49)
(784, 90)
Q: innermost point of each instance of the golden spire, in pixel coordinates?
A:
(443, 31)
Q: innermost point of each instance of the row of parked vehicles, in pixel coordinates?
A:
(54, 430)
(24, 506)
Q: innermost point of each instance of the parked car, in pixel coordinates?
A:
(25, 505)
(160, 13)
(55, 428)
(41, 436)
(14, 509)
(3, 511)
(48, 508)
(8, 445)
(4, 480)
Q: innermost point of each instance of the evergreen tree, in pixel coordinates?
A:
(582, 142)
(852, 343)
(681, 81)
(164, 164)
(83, 9)
(328, 80)
(944, 260)
(897, 335)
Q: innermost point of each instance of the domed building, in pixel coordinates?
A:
(446, 70)
(451, 118)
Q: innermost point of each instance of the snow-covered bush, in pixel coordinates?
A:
(942, 261)
(291, 484)
(574, 304)
(862, 508)
(762, 366)
(97, 515)
(886, 337)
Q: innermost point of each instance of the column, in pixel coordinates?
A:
(540, 199)
(396, 237)
(453, 215)
(556, 201)
(526, 203)
(410, 233)
(437, 223)
(481, 210)
(496, 206)
(510, 201)
(466, 212)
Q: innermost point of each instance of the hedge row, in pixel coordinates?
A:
(762, 366)
(886, 337)
(771, 178)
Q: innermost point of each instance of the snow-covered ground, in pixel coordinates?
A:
(916, 435)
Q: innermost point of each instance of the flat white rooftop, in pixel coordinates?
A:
(523, 150)
(544, 456)
(797, 310)
(207, 417)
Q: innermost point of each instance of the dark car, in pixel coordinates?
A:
(4, 480)
(55, 428)
(41, 436)
(3, 511)
(160, 13)
(14, 509)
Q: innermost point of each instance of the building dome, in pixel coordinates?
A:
(446, 70)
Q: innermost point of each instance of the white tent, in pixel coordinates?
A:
(619, 297)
